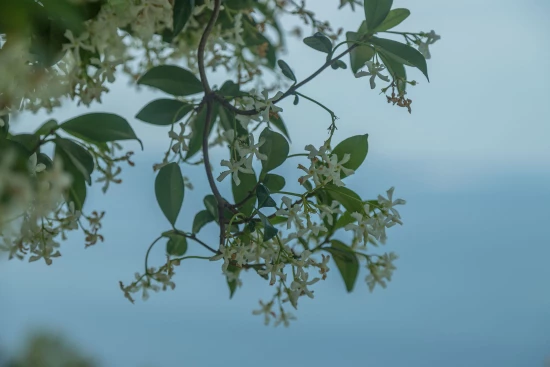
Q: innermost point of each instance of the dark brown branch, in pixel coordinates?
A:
(202, 46)
(289, 92)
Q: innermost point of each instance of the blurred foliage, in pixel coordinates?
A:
(45, 349)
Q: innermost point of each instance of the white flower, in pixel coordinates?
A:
(335, 168)
(274, 270)
(234, 168)
(313, 152)
(35, 168)
(253, 149)
(423, 46)
(363, 227)
(267, 105)
(327, 212)
(180, 139)
(292, 212)
(374, 71)
(265, 309)
(388, 204)
(300, 285)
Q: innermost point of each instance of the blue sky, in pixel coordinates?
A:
(473, 162)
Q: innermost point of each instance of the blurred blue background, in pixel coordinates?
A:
(472, 161)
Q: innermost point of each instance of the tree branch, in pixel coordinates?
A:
(202, 46)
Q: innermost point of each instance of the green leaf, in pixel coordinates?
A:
(269, 230)
(79, 157)
(394, 18)
(228, 121)
(176, 245)
(360, 54)
(396, 70)
(264, 199)
(164, 111)
(211, 205)
(376, 12)
(319, 42)
(201, 219)
(172, 79)
(287, 71)
(401, 53)
(278, 122)
(100, 128)
(275, 147)
(183, 9)
(338, 64)
(77, 192)
(197, 125)
(357, 147)
(47, 127)
(348, 198)
(230, 90)
(232, 284)
(274, 182)
(29, 141)
(169, 190)
(244, 190)
(346, 261)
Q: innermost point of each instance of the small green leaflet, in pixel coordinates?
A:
(172, 79)
(269, 230)
(201, 219)
(264, 199)
(164, 111)
(176, 245)
(274, 182)
(346, 261)
(232, 284)
(77, 191)
(47, 127)
(244, 190)
(287, 71)
(169, 190)
(182, 11)
(348, 198)
(319, 42)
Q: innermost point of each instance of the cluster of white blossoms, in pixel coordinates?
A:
(324, 168)
(242, 157)
(32, 210)
(260, 103)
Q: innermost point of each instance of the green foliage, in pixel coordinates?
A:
(269, 230)
(232, 284)
(181, 13)
(245, 190)
(319, 42)
(275, 147)
(164, 111)
(376, 12)
(360, 54)
(29, 141)
(176, 244)
(278, 122)
(202, 218)
(401, 53)
(97, 128)
(77, 190)
(47, 127)
(169, 190)
(286, 70)
(357, 147)
(274, 182)
(348, 198)
(172, 79)
(264, 198)
(197, 125)
(346, 261)
(79, 156)
(394, 18)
